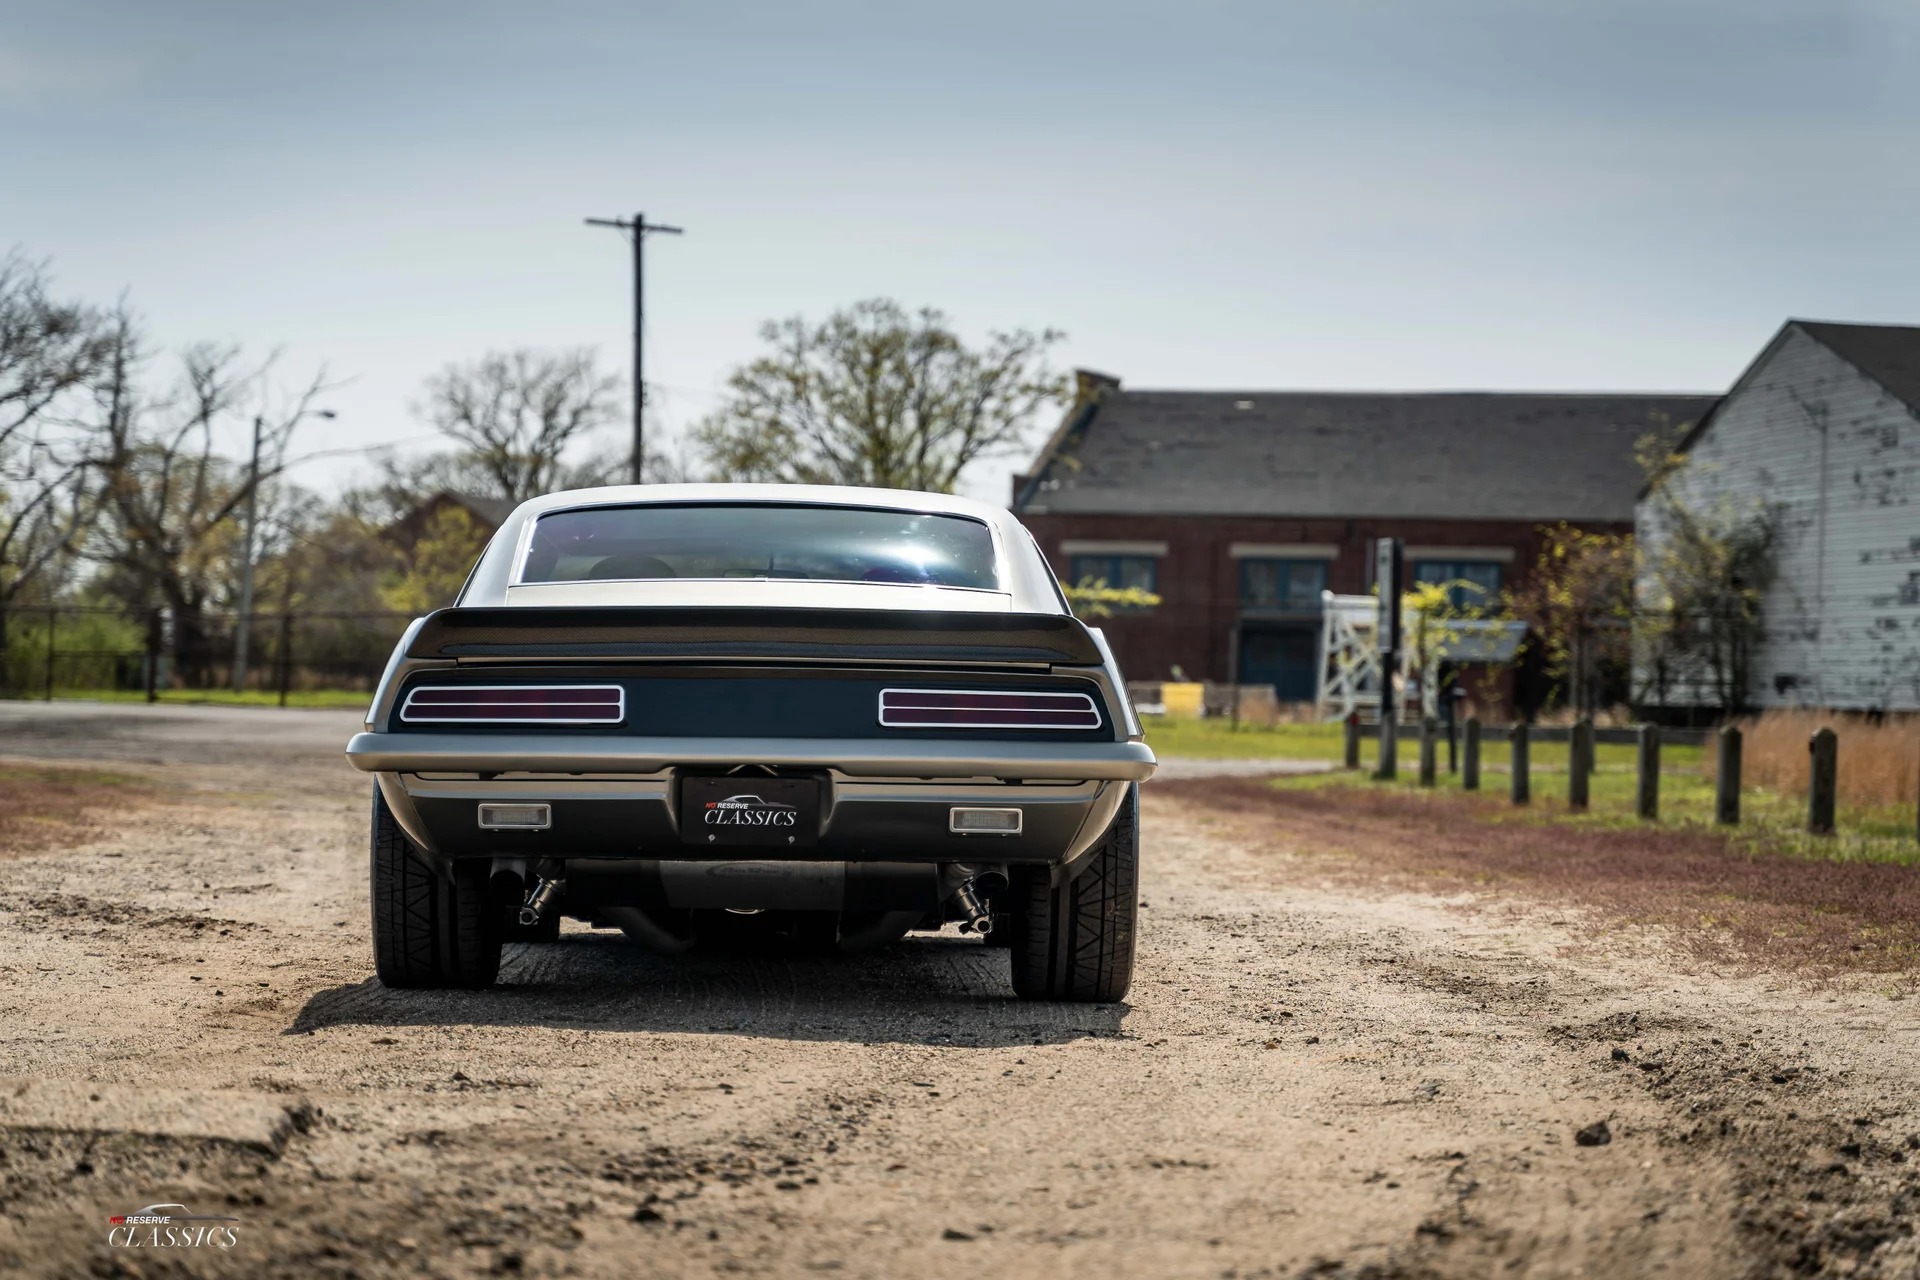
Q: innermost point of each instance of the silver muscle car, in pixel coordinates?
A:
(844, 713)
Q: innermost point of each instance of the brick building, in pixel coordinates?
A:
(1238, 508)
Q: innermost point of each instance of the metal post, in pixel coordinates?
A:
(1352, 729)
(1726, 785)
(241, 636)
(52, 611)
(1647, 798)
(1429, 741)
(1824, 750)
(1388, 766)
(1579, 763)
(1522, 764)
(1470, 762)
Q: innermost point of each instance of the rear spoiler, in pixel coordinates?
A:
(734, 633)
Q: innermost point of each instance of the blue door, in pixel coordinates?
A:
(1284, 657)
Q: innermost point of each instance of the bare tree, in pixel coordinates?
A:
(516, 414)
(875, 396)
(49, 351)
(168, 535)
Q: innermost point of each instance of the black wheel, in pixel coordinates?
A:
(1076, 942)
(429, 930)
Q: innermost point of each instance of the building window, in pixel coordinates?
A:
(1293, 585)
(1466, 576)
(1117, 571)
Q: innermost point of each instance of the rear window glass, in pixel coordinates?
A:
(826, 544)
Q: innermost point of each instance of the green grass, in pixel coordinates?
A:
(1219, 740)
(222, 697)
(1771, 823)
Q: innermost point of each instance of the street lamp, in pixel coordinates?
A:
(242, 627)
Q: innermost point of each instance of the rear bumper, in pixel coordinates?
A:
(899, 821)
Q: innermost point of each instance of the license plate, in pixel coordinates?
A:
(779, 813)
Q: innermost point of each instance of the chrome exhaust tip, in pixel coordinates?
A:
(975, 915)
(539, 902)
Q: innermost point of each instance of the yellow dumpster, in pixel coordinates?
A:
(1186, 700)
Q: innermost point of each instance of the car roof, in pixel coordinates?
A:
(825, 495)
(1026, 578)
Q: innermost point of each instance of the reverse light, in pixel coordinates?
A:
(516, 817)
(983, 822)
(977, 709)
(516, 704)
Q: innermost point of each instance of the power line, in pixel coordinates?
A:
(638, 228)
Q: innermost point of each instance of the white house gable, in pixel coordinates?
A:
(1835, 456)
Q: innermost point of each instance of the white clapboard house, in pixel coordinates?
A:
(1822, 434)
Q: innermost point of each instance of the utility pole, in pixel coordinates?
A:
(243, 625)
(639, 229)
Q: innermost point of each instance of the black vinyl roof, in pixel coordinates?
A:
(1445, 455)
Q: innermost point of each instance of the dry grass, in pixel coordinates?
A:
(49, 807)
(1879, 762)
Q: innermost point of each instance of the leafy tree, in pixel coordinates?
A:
(1705, 579)
(876, 396)
(1578, 607)
(432, 575)
(515, 415)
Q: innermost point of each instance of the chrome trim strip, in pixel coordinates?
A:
(619, 716)
(1085, 703)
(858, 757)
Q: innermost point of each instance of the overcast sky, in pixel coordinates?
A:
(1338, 194)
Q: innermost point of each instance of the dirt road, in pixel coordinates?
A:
(1313, 1076)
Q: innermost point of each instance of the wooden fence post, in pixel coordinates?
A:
(1647, 797)
(1429, 742)
(1389, 767)
(1579, 763)
(1352, 723)
(1522, 782)
(1470, 756)
(1726, 786)
(1824, 750)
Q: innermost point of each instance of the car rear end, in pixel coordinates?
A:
(854, 724)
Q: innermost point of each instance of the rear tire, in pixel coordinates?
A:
(1077, 942)
(429, 929)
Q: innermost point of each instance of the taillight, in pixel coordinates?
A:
(974, 709)
(516, 704)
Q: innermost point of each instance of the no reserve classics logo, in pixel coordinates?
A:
(750, 811)
(170, 1226)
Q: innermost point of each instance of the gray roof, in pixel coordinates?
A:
(1446, 455)
(1887, 353)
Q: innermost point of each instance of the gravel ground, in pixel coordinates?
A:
(1313, 1076)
